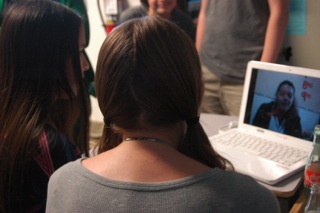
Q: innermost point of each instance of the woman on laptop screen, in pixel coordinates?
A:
(281, 114)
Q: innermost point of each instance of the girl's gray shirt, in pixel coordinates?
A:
(73, 188)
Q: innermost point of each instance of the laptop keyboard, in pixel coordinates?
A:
(276, 152)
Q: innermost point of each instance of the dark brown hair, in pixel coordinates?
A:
(149, 73)
(37, 40)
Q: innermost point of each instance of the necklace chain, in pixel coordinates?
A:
(148, 139)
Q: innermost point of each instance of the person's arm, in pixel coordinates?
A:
(201, 24)
(276, 29)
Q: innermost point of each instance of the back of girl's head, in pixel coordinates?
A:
(149, 74)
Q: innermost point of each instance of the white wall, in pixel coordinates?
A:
(97, 32)
(97, 36)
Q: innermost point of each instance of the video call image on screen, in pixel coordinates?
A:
(293, 96)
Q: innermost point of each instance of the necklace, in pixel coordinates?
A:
(148, 139)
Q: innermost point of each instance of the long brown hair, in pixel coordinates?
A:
(149, 73)
(37, 40)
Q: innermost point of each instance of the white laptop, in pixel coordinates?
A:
(261, 82)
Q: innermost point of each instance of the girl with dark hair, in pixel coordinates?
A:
(154, 155)
(41, 94)
(281, 114)
(79, 7)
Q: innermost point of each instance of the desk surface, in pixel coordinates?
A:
(286, 188)
(299, 205)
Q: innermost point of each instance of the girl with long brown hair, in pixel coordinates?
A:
(41, 96)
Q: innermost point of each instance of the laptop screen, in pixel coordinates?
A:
(283, 102)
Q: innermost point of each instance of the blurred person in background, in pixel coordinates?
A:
(171, 10)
